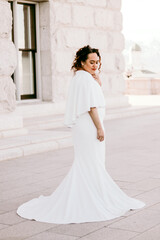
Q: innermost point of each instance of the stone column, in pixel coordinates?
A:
(7, 60)
(10, 124)
(45, 49)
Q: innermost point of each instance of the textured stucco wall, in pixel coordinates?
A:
(68, 25)
(8, 59)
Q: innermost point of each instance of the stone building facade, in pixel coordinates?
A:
(38, 46)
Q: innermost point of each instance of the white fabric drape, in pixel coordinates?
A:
(84, 93)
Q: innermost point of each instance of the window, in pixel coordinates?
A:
(24, 37)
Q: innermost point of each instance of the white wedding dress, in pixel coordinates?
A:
(87, 193)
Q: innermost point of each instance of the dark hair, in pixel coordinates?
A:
(82, 56)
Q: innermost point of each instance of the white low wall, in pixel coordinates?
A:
(143, 86)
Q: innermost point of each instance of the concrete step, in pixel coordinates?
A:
(131, 111)
(44, 122)
(11, 125)
(34, 142)
(37, 108)
(57, 121)
(13, 133)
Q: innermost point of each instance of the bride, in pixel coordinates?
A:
(87, 193)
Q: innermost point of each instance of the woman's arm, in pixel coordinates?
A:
(95, 118)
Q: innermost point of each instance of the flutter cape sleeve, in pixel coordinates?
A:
(84, 93)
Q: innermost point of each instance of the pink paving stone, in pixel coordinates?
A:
(151, 234)
(138, 222)
(24, 230)
(10, 218)
(132, 192)
(133, 175)
(110, 234)
(145, 185)
(51, 236)
(150, 197)
(19, 192)
(155, 207)
(82, 229)
(3, 226)
(12, 204)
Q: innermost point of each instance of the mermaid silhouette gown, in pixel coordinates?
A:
(87, 193)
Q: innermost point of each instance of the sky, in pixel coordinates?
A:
(141, 19)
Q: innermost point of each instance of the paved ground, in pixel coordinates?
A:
(133, 161)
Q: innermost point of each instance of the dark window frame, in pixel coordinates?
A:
(32, 50)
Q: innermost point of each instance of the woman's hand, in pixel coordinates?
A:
(100, 134)
(97, 78)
